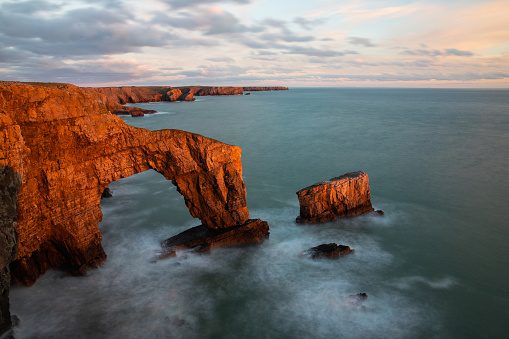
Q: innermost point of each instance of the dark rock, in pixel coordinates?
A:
(203, 239)
(327, 250)
(247, 94)
(15, 320)
(356, 299)
(343, 196)
(106, 193)
(378, 213)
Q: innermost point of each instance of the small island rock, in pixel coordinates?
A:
(343, 196)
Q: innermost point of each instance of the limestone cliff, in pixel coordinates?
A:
(343, 196)
(66, 148)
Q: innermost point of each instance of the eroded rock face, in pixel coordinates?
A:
(66, 148)
(12, 154)
(343, 196)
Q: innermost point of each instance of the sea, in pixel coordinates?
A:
(436, 265)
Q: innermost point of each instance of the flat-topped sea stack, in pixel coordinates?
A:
(59, 150)
(344, 196)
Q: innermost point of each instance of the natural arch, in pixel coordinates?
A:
(60, 148)
(72, 148)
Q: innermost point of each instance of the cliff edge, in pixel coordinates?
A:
(59, 150)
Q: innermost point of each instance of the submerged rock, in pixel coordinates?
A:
(203, 239)
(327, 251)
(343, 196)
(356, 299)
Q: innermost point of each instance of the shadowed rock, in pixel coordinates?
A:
(356, 299)
(343, 196)
(203, 239)
(331, 250)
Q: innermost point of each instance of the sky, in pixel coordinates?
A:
(295, 43)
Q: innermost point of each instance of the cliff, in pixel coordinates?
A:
(269, 88)
(115, 98)
(60, 148)
(343, 196)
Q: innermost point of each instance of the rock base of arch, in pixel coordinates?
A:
(203, 239)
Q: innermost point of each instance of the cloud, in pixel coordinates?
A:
(212, 71)
(307, 23)
(316, 52)
(176, 4)
(86, 72)
(221, 59)
(210, 20)
(361, 41)
(467, 76)
(436, 52)
(457, 52)
(78, 32)
(287, 37)
(29, 7)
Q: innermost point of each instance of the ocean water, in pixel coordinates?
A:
(435, 266)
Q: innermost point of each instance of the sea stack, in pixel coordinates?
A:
(344, 196)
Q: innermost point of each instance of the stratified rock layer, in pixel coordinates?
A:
(203, 239)
(66, 148)
(343, 196)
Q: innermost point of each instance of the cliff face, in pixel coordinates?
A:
(114, 98)
(343, 196)
(66, 148)
(11, 159)
(267, 88)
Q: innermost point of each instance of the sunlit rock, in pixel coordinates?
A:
(343, 196)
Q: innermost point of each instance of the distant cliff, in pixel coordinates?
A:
(115, 98)
(257, 89)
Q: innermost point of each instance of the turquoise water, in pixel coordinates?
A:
(436, 265)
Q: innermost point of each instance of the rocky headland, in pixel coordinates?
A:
(267, 88)
(344, 196)
(60, 147)
(115, 98)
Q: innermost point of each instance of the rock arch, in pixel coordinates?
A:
(65, 148)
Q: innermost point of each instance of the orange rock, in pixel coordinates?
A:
(343, 196)
(173, 94)
(66, 148)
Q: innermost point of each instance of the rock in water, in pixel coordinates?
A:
(343, 196)
(106, 193)
(203, 239)
(331, 250)
(356, 299)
